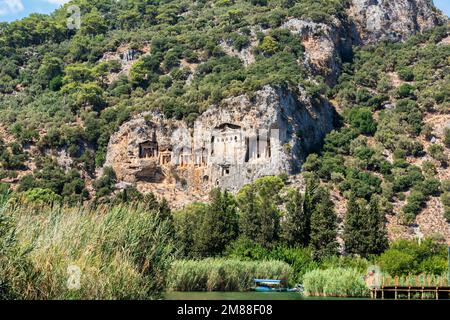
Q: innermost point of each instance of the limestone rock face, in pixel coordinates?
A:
(393, 19)
(228, 146)
(325, 45)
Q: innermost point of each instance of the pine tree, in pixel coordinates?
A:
(376, 228)
(164, 210)
(365, 230)
(269, 218)
(355, 235)
(297, 225)
(219, 226)
(323, 226)
(166, 214)
(309, 198)
(249, 223)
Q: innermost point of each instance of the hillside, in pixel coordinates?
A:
(394, 142)
(358, 91)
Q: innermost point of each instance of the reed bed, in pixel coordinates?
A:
(121, 252)
(335, 282)
(223, 274)
(421, 280)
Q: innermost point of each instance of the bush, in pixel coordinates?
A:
(246, 249)
(416, 201)
(40, 196)
(406, 257)
(105, 184)
(396, 262)
(406, 74)
(362, 120)
(447, 137)
(335, 282)
(445, 199)
(437, 152)
(300, 259)
(405, 90)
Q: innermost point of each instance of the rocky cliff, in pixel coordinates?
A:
(377, 20)
(229, 145)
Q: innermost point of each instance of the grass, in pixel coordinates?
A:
(122, 252)
(335, 282)
(223, 274)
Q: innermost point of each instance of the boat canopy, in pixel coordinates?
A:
(271, 281)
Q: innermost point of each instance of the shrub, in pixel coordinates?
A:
(396, 262)
(447, 137)
(405, 90)
(269, 45)
(437, 152)
(416, 201)
(406, 74)
(361, 119)
(246, 249)
(40, 196)
(105, 184)
(409, 257)
(300, 259)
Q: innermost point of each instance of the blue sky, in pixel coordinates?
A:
(15, 9)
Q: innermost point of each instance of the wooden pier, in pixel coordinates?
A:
(411, 292)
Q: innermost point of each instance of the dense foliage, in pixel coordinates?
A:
(387, 93)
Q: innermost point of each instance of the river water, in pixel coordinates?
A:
(238, 296)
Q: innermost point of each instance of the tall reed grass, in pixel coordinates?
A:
(223, 274)
(335, 282)
(421, 280)
(122, 252)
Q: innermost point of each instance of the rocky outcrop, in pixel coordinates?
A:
(370, 21)
(325, 46)
(228, 146)
(377, 20)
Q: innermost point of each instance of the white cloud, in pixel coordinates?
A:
(11, 6)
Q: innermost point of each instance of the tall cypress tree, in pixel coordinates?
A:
(312, 185)
(355, 235)
(249, 222)
(166, 214)
(323, 226)
(269, 223)
(365, 229)
(219, 226)
(297, 225)
(376, 227)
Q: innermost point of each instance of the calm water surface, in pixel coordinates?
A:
(239, 296)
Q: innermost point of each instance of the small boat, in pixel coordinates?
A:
(270, 285)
